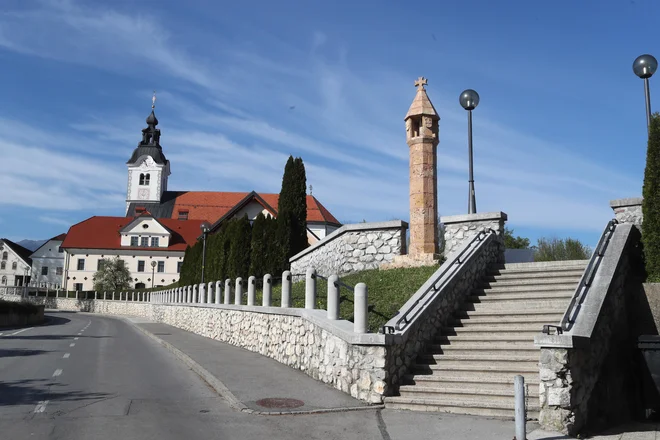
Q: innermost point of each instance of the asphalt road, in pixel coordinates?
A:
(85, 376)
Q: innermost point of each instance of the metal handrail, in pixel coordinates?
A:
(587, 277)
(338, 283)
(408, 316)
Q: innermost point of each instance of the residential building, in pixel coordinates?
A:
(15, 264)
(48, 263)
(148, 172)
(152, 249)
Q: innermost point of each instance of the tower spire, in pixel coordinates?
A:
(153, 101)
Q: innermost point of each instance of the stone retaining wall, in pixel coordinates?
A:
(462, 228)
(353, 248)
(14, 318)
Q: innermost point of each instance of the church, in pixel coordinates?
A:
(158, 223)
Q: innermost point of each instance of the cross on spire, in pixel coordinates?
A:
(153, 101)
(421, 82)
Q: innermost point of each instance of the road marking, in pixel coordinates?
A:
(21, 331)
(66, 355)
(57, 372)
(75, 339)
(41, 406)
(72, 345)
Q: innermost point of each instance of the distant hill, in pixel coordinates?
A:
(33, 245)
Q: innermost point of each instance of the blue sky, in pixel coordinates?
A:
(559, 132)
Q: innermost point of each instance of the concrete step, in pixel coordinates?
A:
(548, 281)
(477, 407)
(496, 287)
(519, 296)
(547, 314)
(488, 335)
(499, 367)
(517, 306)
(470, 379)
(458, 391)
(501, 357)
(486, 349)
(465, 342)
(496, 327)
(504, 275)
(484, 338)
(546, 266)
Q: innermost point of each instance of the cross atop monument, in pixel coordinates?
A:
(421, 82)
(153, 101)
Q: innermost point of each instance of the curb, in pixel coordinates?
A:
(224, 392)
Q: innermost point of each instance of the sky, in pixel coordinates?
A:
(559, 132)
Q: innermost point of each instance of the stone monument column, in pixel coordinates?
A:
(422, 130)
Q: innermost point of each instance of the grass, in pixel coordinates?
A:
(23, 307)
(388, 290)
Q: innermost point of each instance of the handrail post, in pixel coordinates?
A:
(519, 407)
(360, 310)
(268, 291)
(286, 289)
(227, 291)
(310, 288)
(252, 290)
(333, 297)
(239, 291)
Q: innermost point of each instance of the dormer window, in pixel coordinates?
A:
(140, 209)
(144, 242)
(183, 215)
(154, 241)
(144, 179)
(134, 241)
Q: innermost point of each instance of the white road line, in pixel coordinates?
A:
(21, 331)
(72, 345)
(66, 355)
(75, 339)
(57, 372)
(41, 406)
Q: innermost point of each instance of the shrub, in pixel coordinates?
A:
(557, 249)
(651, 203)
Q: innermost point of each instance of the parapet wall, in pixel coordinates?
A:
(460, 229)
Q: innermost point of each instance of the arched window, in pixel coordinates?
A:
(13, 266)
(4, 281)
(5, 255)
(146, 179)
(141, 179)
(3, 265)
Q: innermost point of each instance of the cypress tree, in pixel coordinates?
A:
(292, 211)
(299, 241)
(184, 276)
(239, 251)
(258, 246)
(651, 202)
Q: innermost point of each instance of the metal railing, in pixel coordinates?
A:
(587, 278)
(428, 295)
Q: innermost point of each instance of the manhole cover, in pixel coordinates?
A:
(280, 402)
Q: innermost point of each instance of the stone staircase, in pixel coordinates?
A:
(470, 366)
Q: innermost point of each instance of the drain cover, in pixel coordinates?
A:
(280, 402)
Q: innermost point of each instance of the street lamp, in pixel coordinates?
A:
(469, 100)
(153, 269)
(205, 227)
(645, 66)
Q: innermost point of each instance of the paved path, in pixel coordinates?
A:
(86, 376)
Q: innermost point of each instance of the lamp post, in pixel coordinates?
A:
(645, 66)
(153, 270)
(469, 100)
(205, 227)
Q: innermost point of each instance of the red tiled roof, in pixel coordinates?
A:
(103, 233)
(60, 237)
(212, 206)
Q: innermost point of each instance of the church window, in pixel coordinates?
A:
(144, 179)
(14, 265)
(134, 241)
(154, 241)
(4, 255)
(141, 179)
(144, 242)
(3, 265)
(183, 215)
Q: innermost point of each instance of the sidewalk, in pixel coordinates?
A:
(245, 379)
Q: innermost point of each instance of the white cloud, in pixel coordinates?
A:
(55, 221)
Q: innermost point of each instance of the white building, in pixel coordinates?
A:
(15, 264)
(152, 249)
(48, 263)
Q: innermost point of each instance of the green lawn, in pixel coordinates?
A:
(388, 290)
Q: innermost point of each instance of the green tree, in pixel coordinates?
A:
(556, 249)
(651, 202)
(258, 247)
(292, 210)
(113, 275)
(239, 250)
(511, 242)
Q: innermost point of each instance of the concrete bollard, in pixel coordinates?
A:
(227, 291)
(209, 293)
(188, 294)
(310, 288)
(361, 308)
(76, 294)
(333, 297)
(239, 291)
(202, 293)
(218, 291)
(286, 289)
(519, 406)
(252, 290)
(194, 294)
(268, 291)
(95, 298)
(113, 295)
(132, 296)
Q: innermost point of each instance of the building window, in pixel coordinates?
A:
(154, 241)
(58, 271)
(59, 249)
(178, 266)
(140, 266)
(14, 265)
(44, 270)
(134, 241)
(77, 287)
(3, 265)
(99, 264)
(144, 241)
(5, 255)
(144, 179)
(4, 281)
(161, 266)
(183, 215)
(81, 264)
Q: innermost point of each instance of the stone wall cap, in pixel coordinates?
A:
(631, 201)
(466, 218)
(560, 341)
(372, 226)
